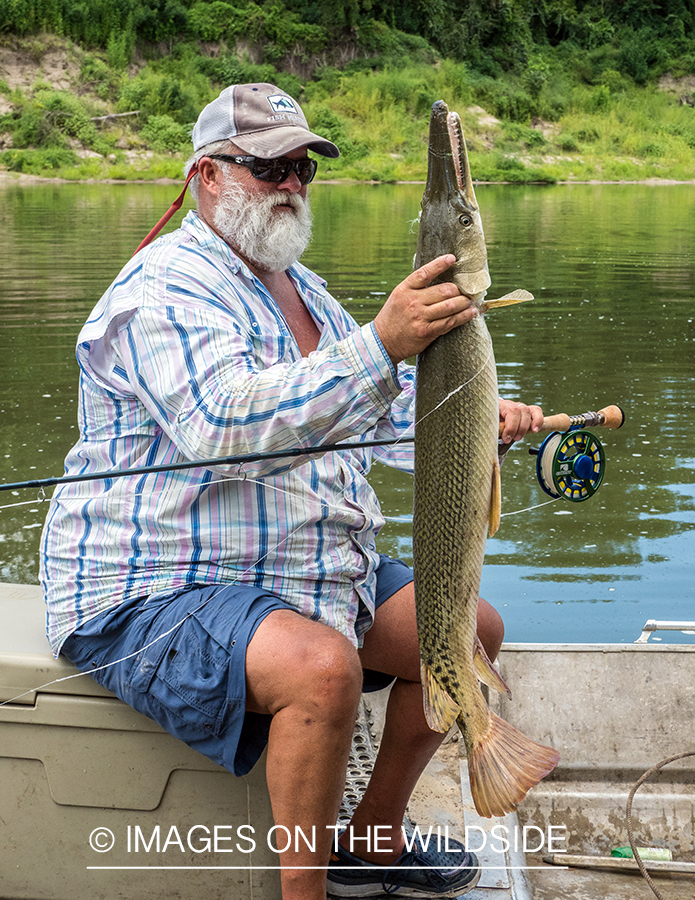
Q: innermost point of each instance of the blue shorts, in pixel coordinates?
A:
(181, 660)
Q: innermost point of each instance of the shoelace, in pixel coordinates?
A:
(398, 874)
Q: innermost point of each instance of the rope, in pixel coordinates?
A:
(630, 834)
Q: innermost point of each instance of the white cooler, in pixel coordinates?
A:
(97, 801)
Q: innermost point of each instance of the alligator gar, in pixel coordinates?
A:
(457, 493)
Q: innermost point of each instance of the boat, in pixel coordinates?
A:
(98, 801)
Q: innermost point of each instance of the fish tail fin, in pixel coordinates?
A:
(504, 765)
(441, 711)
(518, 296)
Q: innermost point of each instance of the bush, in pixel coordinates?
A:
(213, 21)
(536, 76)
(567, 143)
(615, 81)
(97, 77)
(119, 49)
(334, 128)
(160, 95)
(394, 47)
(33, 162)
(506, 99)
(530, 137)
(162, 133)
(49, 118)
(497, 167)
(639, 50)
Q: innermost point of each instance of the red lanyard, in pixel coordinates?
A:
(175, 206)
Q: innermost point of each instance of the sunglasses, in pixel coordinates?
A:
(275, 170)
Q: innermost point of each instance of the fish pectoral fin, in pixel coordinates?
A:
(441, 711)
(486, 672)
(518, 296)
(495, 500)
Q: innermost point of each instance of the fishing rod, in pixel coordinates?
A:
(203, 463)
(571, 462)
(607, 417)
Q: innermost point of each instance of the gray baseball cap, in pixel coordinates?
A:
(261, 120)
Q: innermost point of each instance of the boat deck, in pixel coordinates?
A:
(442, 797)
(72, 758)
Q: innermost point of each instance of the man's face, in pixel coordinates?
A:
(269, 224)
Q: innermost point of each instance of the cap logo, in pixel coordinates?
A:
(281, 103)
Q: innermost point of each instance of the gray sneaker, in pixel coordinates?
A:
(426, 874)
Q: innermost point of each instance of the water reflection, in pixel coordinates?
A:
(612, 270)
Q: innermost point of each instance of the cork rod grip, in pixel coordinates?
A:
(608, 417)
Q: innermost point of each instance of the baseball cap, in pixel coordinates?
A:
(261, 120)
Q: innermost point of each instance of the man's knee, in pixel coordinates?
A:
(490, 628)
(332, 673)
(291, 659)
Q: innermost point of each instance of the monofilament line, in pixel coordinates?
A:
(250, 568)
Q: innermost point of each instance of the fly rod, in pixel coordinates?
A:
(202, 463)
(608, 417)
(571, 462)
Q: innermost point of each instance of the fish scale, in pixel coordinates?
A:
(452, 506)
(456, 495)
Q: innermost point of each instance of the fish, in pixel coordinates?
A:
(457, 497)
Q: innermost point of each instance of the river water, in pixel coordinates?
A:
(613, 272)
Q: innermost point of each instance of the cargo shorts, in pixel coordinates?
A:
(179, 658)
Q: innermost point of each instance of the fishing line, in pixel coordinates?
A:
(408, 519)
(455, 391)
(24, 503)
(190, 612)
(528, 508)
(394, 443)
(107, 665)
(173, 628)
(200, 463)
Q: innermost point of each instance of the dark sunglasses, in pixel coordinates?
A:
(275, 170)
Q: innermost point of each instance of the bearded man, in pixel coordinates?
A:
(275, 606)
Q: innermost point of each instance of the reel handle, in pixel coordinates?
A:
(608, 417)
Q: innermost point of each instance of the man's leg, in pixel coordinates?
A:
(407, 745)
(309, 678)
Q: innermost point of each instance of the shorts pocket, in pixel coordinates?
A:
(184, 680)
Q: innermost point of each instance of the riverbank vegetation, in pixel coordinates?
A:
(554, 90)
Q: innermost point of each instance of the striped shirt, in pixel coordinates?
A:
(187, 357)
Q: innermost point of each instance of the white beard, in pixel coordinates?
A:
(273, 241)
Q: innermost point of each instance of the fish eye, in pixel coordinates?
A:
(465, 220)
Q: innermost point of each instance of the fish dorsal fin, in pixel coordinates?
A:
(518, 296)
(440, 710)
(486, 672)
(495, 500)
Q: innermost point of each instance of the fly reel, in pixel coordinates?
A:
(570, 464)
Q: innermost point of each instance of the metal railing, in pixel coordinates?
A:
(652, 625)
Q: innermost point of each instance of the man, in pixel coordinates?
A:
(181, 591)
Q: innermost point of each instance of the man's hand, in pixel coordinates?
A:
(417, 312)
(518, 419)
